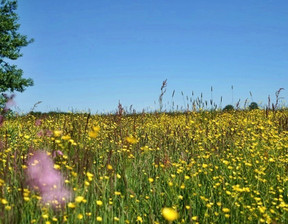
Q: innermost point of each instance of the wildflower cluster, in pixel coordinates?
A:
(196, 167)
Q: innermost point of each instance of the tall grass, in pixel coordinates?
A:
(209, 166)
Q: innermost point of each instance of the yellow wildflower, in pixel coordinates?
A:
(132, 140)
(170, 214)
(95, 132)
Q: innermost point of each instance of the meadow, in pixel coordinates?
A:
(192, 167)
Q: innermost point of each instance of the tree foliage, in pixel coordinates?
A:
(11, 42)
(228, 107)
(253, 106)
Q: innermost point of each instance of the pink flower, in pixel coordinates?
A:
(38, 122)
(40, 133)
(44, 178)
(58, 152)
(56, 197)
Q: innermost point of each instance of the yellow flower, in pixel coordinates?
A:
(8, 207)
(99, 219)
(96, 128)
(80, 216)
(90, 176)
(194, 218)
(56, 167)
(94, 133)
(170, 214)
(45, 216)
(131, 139)
(4, 201)
(79, 199)
(151, 180)
(71, 205)
(57, 133)
(226, 210)
(109, 167)
(98, 202)
(66, 137)
(139, 219)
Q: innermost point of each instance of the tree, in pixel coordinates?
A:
(253, 106)
(11, 42)
(228, 107)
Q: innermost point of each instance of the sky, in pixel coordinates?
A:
(89, 55)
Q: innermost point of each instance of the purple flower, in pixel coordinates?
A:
(44, 178)
(58, 152)
(38, 122)
(57, 197)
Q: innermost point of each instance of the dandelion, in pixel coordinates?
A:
(80, 216)
(109, 167)
(57, 133)
(90, 176)
(56, 167)
(71, 205)
(45, 216)
(95, 132)
(98, 202)
(194, 218)
(79, 199)
(4, 201)
(99, 219)
(66, 137)
(170, 214)
(226, 210)
(131, 140)
(139, 219)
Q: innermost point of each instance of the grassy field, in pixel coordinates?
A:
(202, 167)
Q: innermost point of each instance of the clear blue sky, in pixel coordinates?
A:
(91, 54)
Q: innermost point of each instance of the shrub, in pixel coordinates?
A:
(228, 107)
(253, 106)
